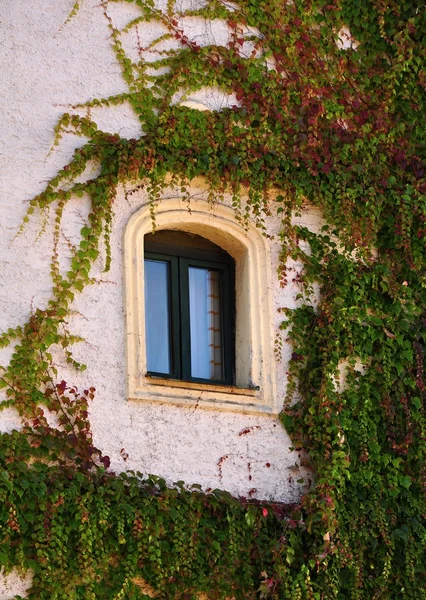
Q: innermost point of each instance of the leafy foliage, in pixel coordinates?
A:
(343, 129)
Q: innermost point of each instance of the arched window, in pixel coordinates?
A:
(189, 308)
(198, 309)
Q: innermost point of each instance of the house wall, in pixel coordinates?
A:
(46, 67)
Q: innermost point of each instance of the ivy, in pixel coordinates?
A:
(340, 128)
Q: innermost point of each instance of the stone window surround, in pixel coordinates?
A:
(255, 389)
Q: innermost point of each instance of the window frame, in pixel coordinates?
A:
(255, 318)
(180, 260)
(173, 313)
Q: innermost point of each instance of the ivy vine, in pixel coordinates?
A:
(344, 129)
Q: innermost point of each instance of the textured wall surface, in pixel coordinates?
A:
(13, 584)
(45, 68)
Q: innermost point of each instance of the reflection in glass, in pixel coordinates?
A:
(157, 319)
(205, 323)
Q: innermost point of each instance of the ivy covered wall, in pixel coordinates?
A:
(305, 119)
(189, 444)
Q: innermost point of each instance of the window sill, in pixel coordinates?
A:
(200, 395)
(204, 387)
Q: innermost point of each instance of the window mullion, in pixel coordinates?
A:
(175, 318)
(228, 309)
(185, 334)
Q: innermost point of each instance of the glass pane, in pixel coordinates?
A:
(205, 323)
(157, 318)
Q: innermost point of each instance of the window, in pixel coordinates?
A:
(160, 351)
(189, 308)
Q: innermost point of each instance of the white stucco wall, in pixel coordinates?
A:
(46, 67)
(14, 584)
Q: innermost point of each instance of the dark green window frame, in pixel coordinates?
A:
(179, 261)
